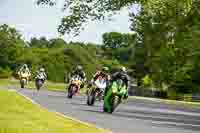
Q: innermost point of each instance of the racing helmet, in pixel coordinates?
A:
(79, 68)
(123, 69)
(42, 70)
(105, 69)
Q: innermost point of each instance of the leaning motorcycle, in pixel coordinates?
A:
(96, 91)
(113, 96)
(23, 79)
(74, 86)
(39, 81)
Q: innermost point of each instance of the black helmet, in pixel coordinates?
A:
(105, 69)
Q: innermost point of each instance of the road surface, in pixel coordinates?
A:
(133, 116)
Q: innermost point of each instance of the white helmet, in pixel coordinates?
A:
(123, 69)
(42, 70)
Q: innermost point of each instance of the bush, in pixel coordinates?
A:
(147, 81)
(60, 61)
(5, 72)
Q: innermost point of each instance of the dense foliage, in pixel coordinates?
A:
(169, 31)
(165, 54)
(57, 56)
(167, 49)
(11, 46)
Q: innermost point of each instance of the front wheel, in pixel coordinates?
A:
(38, 84)
(70, 91)
(22, 84)
(111, 102)
(115, 101)
(91, 97)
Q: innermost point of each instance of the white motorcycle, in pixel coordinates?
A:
(96, 91)
(39, 80)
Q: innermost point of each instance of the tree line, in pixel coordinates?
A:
(56, 55)
(164, 53)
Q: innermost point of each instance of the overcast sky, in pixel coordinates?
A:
(34, 21)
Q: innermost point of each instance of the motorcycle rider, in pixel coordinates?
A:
(103, 73)
(121, 74)
(80, 72)
(24, 69)
(42, 72)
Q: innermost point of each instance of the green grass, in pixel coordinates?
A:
(52, 86)
(18, 115)
(31, 85)
(7, 82)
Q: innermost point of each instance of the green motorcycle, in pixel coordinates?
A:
(113, 96)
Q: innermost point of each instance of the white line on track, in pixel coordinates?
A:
(175, 123)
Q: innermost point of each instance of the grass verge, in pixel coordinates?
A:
(52, 86)
(31, 85)
(18, 115)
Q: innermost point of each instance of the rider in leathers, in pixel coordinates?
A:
(24, 69)
(79, 71)
(122, 74)
(103, 73)
(41, 71)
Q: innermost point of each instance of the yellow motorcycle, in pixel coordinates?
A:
(24, 77)
(74, 86)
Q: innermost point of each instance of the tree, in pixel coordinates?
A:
(10, 42)
(85, 11)
(55, 43)
(42, 42)
(169, 31)
(117, 40)
(168, 46)
(119, 46)
(11, 46)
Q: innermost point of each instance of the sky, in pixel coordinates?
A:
(34, 21)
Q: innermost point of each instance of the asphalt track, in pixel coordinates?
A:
(133, 116)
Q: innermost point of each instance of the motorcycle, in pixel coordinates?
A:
(113, 96)
(23, 79)
(96, 91)
(39, 81)
(74, 86)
